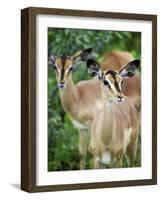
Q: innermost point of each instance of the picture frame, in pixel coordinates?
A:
(29, 121)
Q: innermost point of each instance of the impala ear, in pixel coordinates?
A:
(130, 69)
(81, 55)
(94, 69)
(51, 59)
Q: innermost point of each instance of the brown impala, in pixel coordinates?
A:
(114, 130)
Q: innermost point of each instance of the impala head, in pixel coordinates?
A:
(64, 65)
(112, 80)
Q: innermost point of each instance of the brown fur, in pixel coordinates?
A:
(83, 97)
(114, 60)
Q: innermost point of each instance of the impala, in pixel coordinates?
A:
(114, 130)
(79, 101)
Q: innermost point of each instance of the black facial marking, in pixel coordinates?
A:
(70, 70)
(113, 74)
(63, 58)
(106, 83)
(62, 73)
(117, 86)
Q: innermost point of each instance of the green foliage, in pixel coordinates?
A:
(62, 136)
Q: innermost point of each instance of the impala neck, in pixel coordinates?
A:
(69, 96)
(106, 124)
(108, 111)
(106, 101)
(107, 116)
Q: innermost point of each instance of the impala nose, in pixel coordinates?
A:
(61, 85)
(119, 98)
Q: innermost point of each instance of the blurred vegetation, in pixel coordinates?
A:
(62, 136)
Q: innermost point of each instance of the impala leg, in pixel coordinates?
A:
(132, 147)
(83, 142)
(96, 163)
(119, 162)
(131, 152)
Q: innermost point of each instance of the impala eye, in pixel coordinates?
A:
(54, 67)
(106, 82)
(71, 69)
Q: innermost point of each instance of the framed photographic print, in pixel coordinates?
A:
(88, 99)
